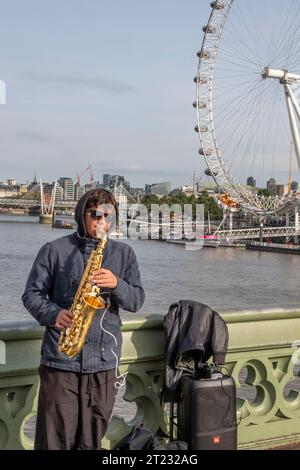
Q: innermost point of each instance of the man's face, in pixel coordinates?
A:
(97, 220)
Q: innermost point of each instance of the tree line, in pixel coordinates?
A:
(211, 208)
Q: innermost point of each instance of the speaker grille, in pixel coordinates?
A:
(207, 413)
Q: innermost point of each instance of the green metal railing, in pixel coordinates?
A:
(263, 358)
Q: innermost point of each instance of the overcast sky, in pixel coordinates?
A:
(100, 81)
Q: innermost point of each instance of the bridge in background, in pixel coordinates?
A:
(47, 199)
(257, 233)
(40, 196)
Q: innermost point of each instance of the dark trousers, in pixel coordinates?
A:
(73, 409)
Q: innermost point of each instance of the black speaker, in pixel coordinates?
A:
(207, 413)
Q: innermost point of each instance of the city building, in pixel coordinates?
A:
(271, 182)
(278, 189)
(159, 189)
(189, 190)
(88, 186)
(96, 185)
(10, 188)
(251, 182)
(23, 188)
(11, 182)
(9, 191)
(106, 180)
(33, 183)
(110, 181)
(79, 191)
(294, 186)
(137, 193)
(68, 186)
(208, 188)
(59, 195)
(118, 180)
(175, 192)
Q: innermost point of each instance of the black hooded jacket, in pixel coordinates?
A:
(52, 284)
(193, 333)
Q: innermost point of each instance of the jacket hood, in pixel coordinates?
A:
(79, 213)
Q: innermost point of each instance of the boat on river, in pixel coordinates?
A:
(59, 223)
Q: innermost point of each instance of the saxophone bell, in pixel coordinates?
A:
(94, 301)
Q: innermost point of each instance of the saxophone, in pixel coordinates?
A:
(85, 304)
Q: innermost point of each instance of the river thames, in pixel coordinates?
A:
(227, 279)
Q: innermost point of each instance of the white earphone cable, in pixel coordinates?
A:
(121, 379)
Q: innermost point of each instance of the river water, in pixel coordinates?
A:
(223, 278)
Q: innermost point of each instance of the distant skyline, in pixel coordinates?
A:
(109, 83)
(99, 178)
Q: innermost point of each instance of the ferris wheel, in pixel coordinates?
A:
(248, 91)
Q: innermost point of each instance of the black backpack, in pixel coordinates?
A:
(141, 438)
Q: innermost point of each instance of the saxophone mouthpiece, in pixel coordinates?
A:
(100, 232)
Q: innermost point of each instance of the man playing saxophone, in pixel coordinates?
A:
(77, 393)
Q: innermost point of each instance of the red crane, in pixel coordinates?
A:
(88, 169)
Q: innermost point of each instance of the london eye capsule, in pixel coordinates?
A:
(209, 29)
(201, 129)
(203, 54)
(203, 80)
(207, 151)
(209, 172)
(217, 5)
(199, 104)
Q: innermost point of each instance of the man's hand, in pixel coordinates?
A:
(105, 278)
(64, 319)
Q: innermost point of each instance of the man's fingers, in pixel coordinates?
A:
(99, 279)
(104, 271)
(103, 279)
(64, 319)
(101, 272)
(62, 324)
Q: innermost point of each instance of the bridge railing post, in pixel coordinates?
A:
(42, 197)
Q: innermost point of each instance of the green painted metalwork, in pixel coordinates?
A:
(263, 357)
(19, 381)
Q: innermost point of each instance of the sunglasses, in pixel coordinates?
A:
(98, 215)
